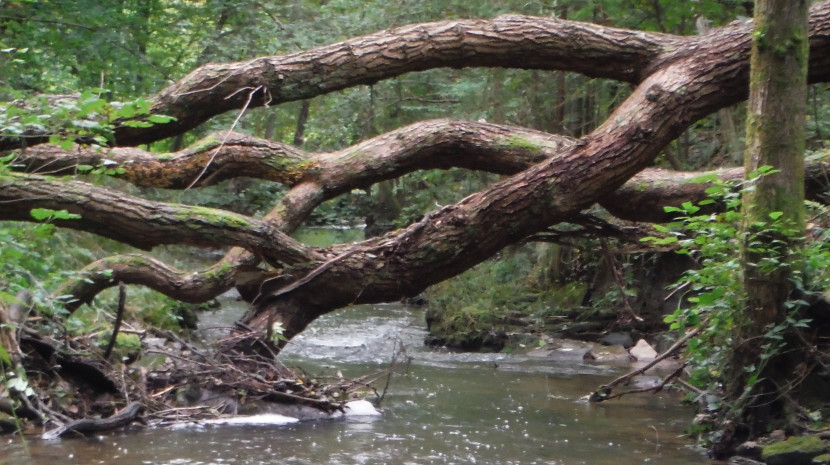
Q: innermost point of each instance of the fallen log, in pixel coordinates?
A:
(93, 425)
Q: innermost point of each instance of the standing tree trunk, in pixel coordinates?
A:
(775, 137)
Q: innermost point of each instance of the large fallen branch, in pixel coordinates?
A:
(143, 223)
(436, 144)
(424, 145)
(507, 41)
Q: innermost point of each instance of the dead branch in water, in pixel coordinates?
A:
(603, 393)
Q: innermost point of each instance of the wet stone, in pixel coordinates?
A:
(618, 339)
(750, 449)
(616, 354)
(642, 351)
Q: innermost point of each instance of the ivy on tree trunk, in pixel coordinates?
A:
(775, 135)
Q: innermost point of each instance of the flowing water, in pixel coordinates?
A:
(443, 408)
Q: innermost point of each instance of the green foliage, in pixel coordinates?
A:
(505, 294)
(28, 262)
(172, 314)
(42, 214)
(87, 117)
(482, 298)
(714, 291)
(132, 46)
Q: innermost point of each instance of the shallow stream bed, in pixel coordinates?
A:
(443, 408)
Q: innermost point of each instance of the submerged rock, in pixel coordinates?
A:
(618, 339)
(563, 350)
(360, 408)
(611, 354)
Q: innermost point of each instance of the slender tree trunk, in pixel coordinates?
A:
(302, 119)
(775, 137)
(270, 126)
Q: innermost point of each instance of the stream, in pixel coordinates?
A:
(441, 408)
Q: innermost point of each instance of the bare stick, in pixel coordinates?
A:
(119, 315)
(604, 391)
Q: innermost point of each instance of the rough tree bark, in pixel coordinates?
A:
(775, 134)
(679, 80)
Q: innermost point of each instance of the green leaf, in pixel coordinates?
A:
(4, 356)
(690, 208)
(127, 111)
(42, 231)
(41, 214)
(137, 124)
(775, 215)
(65, 215)
(703, 179)
(160, 119)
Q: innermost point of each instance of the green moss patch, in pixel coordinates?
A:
(793, 451)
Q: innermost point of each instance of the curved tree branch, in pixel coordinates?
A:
(435, 144)
(507, 41)
(441, 143)
(152, 273)
(143, 223)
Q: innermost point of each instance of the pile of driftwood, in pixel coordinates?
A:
(70, 386)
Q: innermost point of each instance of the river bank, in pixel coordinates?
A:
(442, 408)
